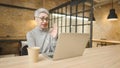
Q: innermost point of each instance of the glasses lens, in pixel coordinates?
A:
(42, 18)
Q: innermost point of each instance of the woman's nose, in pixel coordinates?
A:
(44, 21)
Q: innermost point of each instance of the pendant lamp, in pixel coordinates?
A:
(112, 15)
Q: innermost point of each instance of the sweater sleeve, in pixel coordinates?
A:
(51, 45)
(30, 39)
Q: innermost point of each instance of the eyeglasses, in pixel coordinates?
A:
(42, 18)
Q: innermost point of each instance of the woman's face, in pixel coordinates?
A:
(42, 20)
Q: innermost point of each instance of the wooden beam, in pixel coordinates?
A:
(14, 6)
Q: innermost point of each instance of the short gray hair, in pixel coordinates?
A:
(41, 10)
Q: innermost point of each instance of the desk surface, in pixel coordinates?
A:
(101, 57)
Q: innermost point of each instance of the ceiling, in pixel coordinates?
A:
(98, 3)
(51, 3)
(34, 4)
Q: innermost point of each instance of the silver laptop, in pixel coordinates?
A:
(70, 45)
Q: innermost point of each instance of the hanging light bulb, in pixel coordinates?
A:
(112, 15)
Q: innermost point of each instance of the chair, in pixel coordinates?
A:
(24, 48)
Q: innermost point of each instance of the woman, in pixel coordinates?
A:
(41, 36)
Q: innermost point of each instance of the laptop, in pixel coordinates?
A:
(69, 45)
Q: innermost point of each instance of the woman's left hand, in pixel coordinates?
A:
(53, 31)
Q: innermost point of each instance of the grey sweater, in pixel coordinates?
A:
(41, 38)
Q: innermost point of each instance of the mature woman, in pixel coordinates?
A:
(41, 36)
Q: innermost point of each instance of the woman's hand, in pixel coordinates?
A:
(53, 30)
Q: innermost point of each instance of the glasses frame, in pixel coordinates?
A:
(43, 19)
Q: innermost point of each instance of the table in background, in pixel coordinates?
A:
(106, 42)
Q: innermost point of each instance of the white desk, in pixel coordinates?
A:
(100, 57)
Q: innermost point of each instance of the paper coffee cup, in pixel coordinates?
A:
(33, 53)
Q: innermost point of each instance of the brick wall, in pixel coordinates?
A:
(15, 22)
